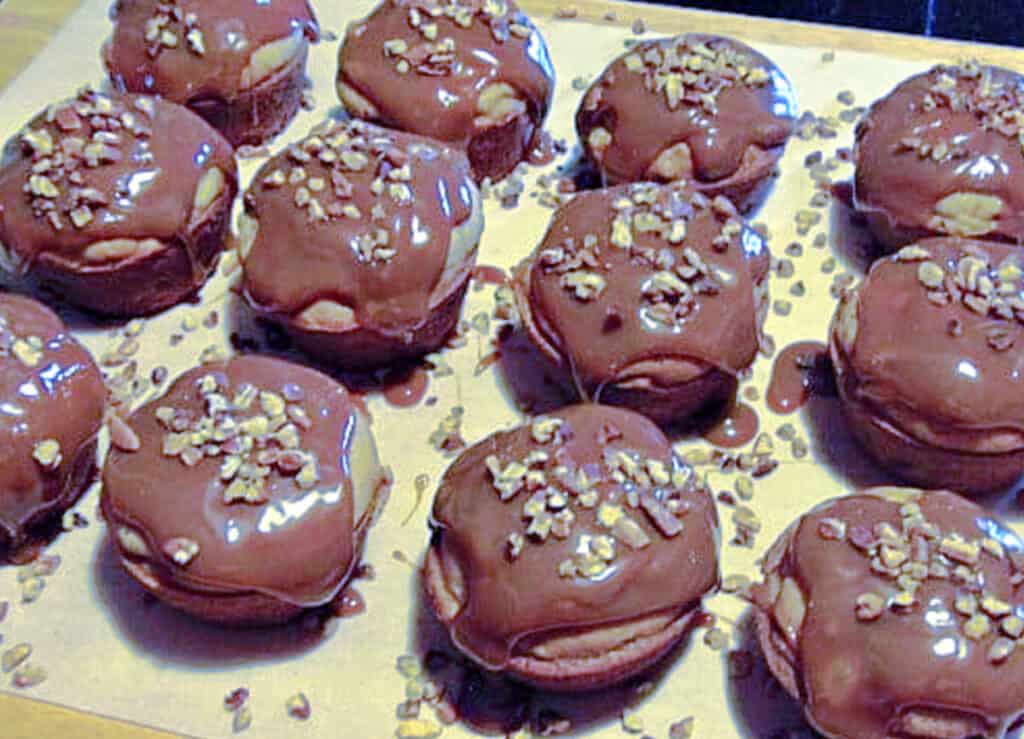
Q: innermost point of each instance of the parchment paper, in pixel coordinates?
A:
(108, 650)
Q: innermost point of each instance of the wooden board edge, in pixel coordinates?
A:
(29, 718)
(26, 27)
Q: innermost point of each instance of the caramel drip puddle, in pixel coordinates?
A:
(800, 371)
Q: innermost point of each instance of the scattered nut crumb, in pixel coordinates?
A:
(298, 707)
(15, 656)
(681, 729)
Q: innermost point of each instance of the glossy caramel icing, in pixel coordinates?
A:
(243, 481)
(953, 129)
(100, 168)
(716, 95)
(381, 222)
(423, 64)
(631, 275)
(580, 520)
(186, 50)
(950, 367)
(897, 601)
(52, 399)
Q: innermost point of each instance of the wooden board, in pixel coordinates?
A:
(26, 27)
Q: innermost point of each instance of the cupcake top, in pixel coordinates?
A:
(956, 353)
(898, 600)
(357, 224)
(250, 475)
(51, 408)
(716, 95)
(580, 519)
(424, 64)
(189, 49)
(943, 153)
(92, 175)
(639, 273)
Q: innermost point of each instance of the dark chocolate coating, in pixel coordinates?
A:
(641, 324)
(869, 663)
(734, 113)
(512, 600)
(110, 168)
(491, 41)
(50, 389)
(949, 130)
(293, 537)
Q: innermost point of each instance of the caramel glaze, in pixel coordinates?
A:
(299, 258)
(508, 600)
(738, 427)
(613, 336)
(440, 100)
(948, 375)
(51, 391)
(140, 182)
(207, 64)
(902, 184)
(795, 376)
(297, 545)
(858, 677)
(488, 274)
(642, 123)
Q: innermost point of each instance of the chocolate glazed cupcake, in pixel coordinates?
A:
(652, 296)
(942, 154)
(572, 553)
(937, 395)
(706, 109)
(897, 613)
(360, 241)
(52, 399)
(247, 493)
(239, 64)
(471, 73)
(119, 204)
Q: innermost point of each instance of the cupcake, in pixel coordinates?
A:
(650, 296)
(937, 395)
(897, 613)
(244, 495)
(52, 399)
(473, 74)
(239, 65)
(359, 241)
(117, 203)
(571, 553)
(942, 155)
(702, 108)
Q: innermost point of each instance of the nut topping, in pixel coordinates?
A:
(680, 275)
(324, 168)
(431, 49)
(47, 453)
(170, 28)
(918, 551)
(989, 290)
(92, 131)
(694, 73)
(623, 490)
(181, 550)
(252, 432)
